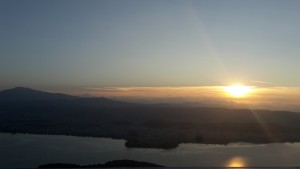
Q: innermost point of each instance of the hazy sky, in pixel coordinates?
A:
(67, 44)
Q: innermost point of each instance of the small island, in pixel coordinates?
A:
(109, 164)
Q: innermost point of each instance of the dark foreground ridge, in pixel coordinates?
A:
(24, 110)
(110, 164)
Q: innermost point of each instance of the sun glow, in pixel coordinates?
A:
(237, 162)
(238, 90)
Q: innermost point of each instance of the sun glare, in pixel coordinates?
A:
(237, 162)
(238, 90)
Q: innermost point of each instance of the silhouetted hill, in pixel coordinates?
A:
(59, 165)
(27, 94)
(24, 110)
(110, 164)
(19, 95)
(129, 163)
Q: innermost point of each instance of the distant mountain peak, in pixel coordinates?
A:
(21, 88)
(24, 93)
(18, 89)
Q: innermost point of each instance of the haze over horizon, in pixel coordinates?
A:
(154, 50)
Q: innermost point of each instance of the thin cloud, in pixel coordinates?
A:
(156, 91)
(260, 82)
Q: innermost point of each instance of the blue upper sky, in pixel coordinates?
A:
(65, 44)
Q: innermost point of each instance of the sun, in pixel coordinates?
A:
(238, 90)
(237, 162)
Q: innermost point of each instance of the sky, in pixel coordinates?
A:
(65, 45)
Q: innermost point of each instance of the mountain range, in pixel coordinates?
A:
(24, 110)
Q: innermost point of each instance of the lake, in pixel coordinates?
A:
(30, 150)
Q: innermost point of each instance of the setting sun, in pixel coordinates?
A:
(237, 162)
(238, 90)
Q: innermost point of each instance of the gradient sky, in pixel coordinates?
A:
(72, 44)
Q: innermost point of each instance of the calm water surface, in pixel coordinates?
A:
(29, 151)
